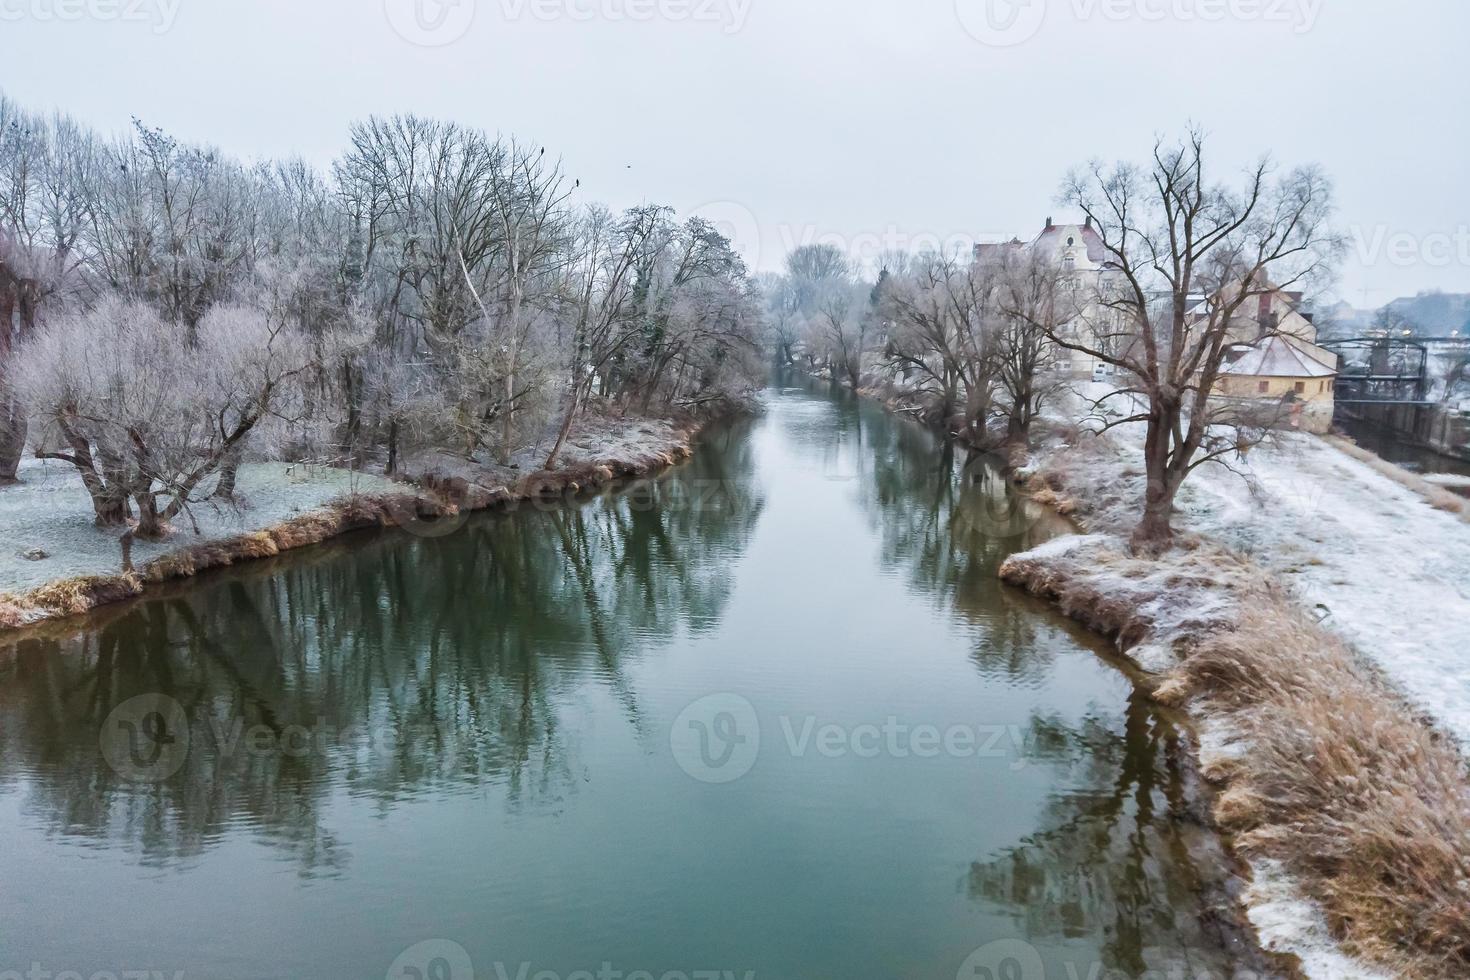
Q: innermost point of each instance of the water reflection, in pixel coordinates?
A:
(468, 737)
(1117, 855)
(397, 668)
(1111, 856)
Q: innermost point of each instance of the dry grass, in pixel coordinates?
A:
(1366, 805)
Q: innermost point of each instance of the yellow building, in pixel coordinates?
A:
(1290, 372)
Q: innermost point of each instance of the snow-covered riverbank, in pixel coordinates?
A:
(1312, 623)
(57, 562)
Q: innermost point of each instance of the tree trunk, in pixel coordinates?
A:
(229, 470)
(566, 427)
(12, 416)
(12, 437)
(150, 524)
(1154, 534)
(111, 508)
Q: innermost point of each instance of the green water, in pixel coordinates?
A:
(772, 715)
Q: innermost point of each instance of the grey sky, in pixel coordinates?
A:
(857, 121)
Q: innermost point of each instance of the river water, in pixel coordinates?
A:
(771, 715)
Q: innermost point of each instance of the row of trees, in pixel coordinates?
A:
(1186, 260)
(166, 311)
(969, 337)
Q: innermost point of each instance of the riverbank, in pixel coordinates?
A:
(59, 564)
(1310, 623)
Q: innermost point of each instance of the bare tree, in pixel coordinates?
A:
(143, 414)
(1034, 304)
(945, 332)
(1191, 254)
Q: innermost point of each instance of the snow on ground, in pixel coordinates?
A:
(1371, 558)
(1287, 923)
(50, 511)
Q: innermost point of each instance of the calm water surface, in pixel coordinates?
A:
(771, 715)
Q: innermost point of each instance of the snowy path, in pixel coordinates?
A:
(1390, 573)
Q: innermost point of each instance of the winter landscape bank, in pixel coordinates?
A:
(433, 326)
(1156, 372)
(1322, 662)
(65, 565)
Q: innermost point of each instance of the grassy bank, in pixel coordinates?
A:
(1331, 782)
(439, 491)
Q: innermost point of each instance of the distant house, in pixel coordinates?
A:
(1085, 265)
(1278, 370)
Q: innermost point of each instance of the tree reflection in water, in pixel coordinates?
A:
(947, 518)
(386, 667)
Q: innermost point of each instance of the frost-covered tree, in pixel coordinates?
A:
(944, 335)
(146, 409)
(436, 290)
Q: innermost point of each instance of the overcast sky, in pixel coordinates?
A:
(858, 121)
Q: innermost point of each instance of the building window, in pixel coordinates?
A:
(1263, 387)
(1301, 387)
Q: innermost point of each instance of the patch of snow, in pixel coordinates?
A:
(1288, 923)
(50, 510)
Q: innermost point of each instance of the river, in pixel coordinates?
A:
(770, 715)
